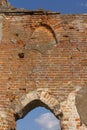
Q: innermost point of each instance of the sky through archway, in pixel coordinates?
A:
(39, 119)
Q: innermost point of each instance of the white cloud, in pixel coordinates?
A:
(48, 121)
(84, 4)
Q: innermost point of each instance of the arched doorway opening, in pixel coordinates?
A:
(39, 118)
(37, 98)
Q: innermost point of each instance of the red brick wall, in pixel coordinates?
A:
(42, 51)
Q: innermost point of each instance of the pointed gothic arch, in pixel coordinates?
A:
(34, 99)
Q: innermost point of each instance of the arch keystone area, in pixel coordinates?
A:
(33, 99)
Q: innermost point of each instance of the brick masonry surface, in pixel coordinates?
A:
(43, 62)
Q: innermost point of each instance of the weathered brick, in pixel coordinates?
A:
(42, 63)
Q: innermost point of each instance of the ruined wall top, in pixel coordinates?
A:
(3, 3)
(6, 7)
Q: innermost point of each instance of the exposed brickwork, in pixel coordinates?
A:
(43, 62)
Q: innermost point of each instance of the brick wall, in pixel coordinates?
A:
(42, 63)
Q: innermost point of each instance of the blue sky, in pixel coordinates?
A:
(63, 6)
(38, 119)
(41, 118)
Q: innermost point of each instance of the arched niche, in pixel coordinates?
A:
(34, 99)
(47, 26)
(43, 38)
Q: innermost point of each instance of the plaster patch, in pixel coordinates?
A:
(81, 104)
(70, 112)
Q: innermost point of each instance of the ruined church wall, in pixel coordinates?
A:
(42, 51)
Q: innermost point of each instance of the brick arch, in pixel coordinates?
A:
(49, 27)
(33, 99)
(42, 39)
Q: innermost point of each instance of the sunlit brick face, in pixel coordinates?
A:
(45, 54)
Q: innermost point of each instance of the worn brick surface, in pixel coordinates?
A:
(43, 62)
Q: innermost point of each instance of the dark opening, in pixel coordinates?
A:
(21, 55)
